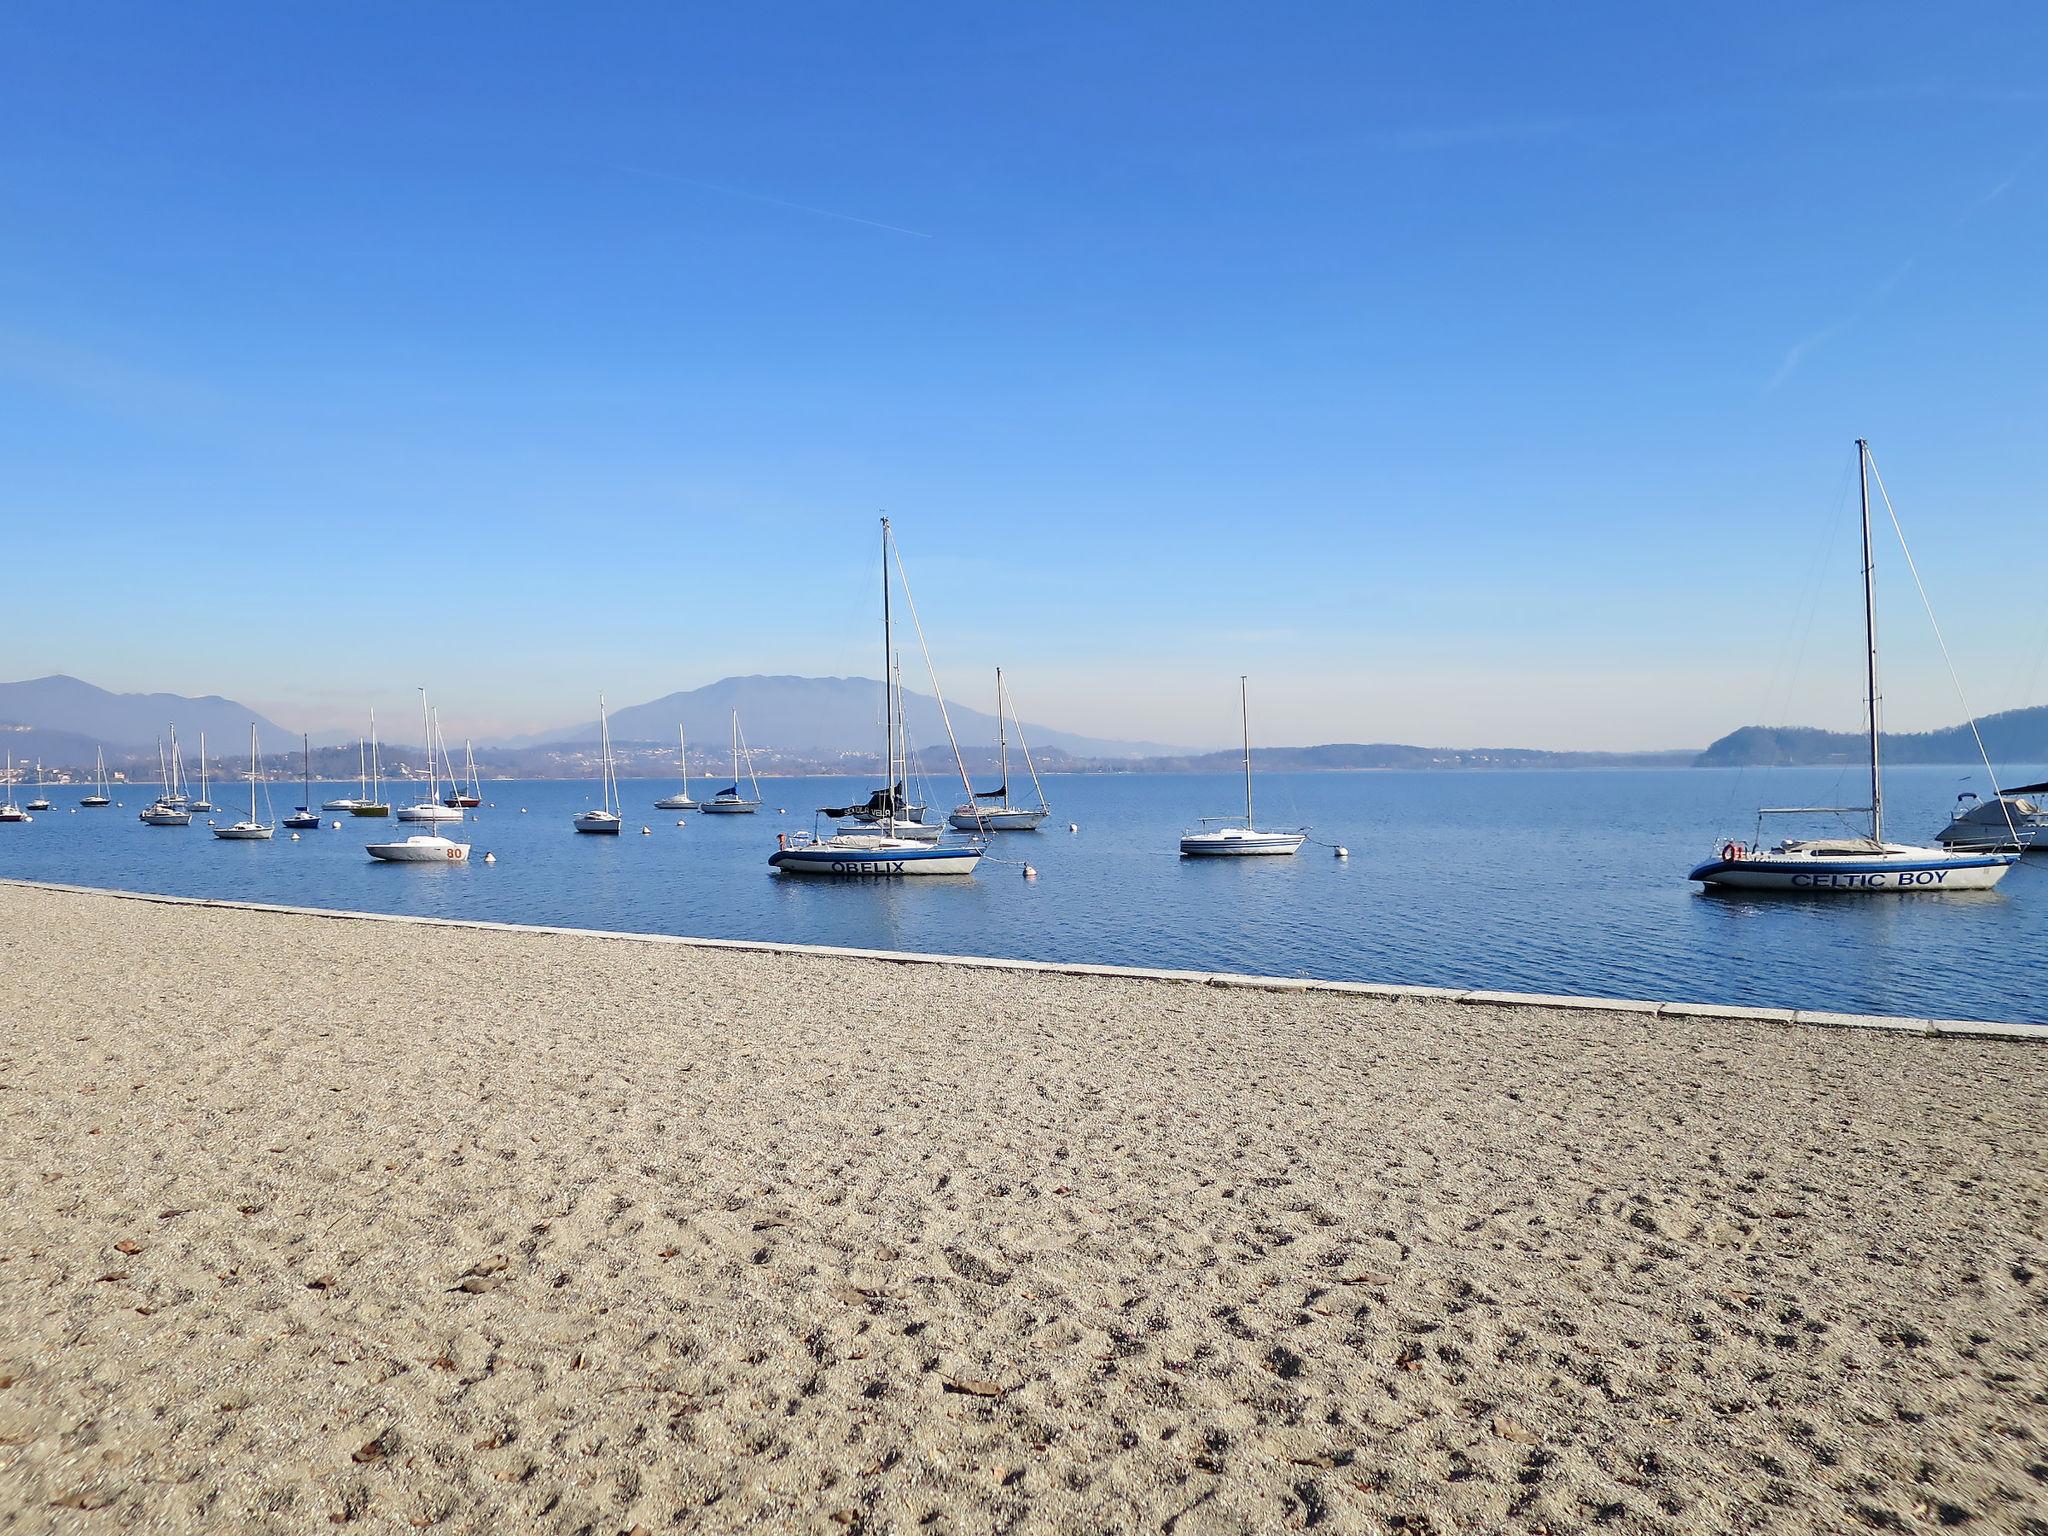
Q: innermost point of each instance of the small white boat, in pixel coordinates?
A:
(163, 814)
(99, 796)
(605, 819)
(428, 812)
(420, 848)
(205, 786)
(680, 800)
(999, 815)
(2011, 821)
(41, 801)
(730, 802)
(9, 811)
(250, 830)
(373, 802)
(1854, 866)
(909, 831)
(1219, 840)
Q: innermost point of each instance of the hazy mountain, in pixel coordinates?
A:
(128, 721)
(816, 716)
(1351, 757)
(2016, 736)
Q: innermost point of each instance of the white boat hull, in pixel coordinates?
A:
(729, 807)
(421, 848)
(339, 805)
(597, 821)
(873, 858)
(244, 832)
(1896, 871)
(997, 820)
(676, 803)
(909, 831)
(165, 817)
(428, 813)
(1240, 843)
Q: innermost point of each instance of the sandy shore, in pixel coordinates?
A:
(312, 1222)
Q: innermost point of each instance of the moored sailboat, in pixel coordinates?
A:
(205, 784)
(1853, 866)
(99, 796)
(250, 830)
(373, 803)
(1230, 842)
(999, 815)
(464, 798)
(362, 795)
(680, 800)
(730, 802)
(605, 819)
(429, 807)
(41, 801)
(9, 811)
(305, 817)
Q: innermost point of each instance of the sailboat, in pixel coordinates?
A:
(99, 796)
(342, 802)
(605, 819)
(429, 807)
(472, 797)
(680, 800)
(1854, 866)
(9, 811)
(420, 847)
(730, 802)
(41, 801)
(251, 830)
(374, 803)
(168, 809)
(1003, 816)
(1228, 842)
(892, 804)
(205, 786)
(879, 852)
(305, 817)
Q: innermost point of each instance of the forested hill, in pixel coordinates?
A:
(2016, 736)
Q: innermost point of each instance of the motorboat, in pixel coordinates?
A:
(604, 820)
(1853, 866)
(2011, 821)
(1214, 837)
(250, 830)
(998, 815)
(420, 848)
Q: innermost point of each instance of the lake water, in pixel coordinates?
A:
(1529, 881)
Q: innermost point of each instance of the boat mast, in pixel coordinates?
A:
(888, 693)
(306, 768)
(376, 763)
(1002, 739)
(1870, 642)
(1244, 709)
(252, 767)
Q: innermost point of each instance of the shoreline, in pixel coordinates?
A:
(1468, 996)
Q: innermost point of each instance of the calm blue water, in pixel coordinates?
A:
(1545, 882)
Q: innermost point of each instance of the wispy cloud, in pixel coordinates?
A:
(775, 202)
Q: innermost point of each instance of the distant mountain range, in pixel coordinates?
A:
(62, 711)
(2015, 736)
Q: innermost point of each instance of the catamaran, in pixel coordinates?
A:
(1226, 841)
(99, 796)
(463, 799)
(605, 819)
(305, 817)
(373, 803)
(1003, 816)
(730, 802)
(1853, 866)
(9, 811)
(251, 830)
(41, 801)
(680, 800)
(880, 852)
(429, 807)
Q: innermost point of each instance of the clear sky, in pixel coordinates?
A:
(1467, 374)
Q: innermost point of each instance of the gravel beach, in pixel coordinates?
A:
(311, 1223)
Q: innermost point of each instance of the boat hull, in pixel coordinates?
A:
(464, 802)
(1238, 844)
(875, 863)
(998, 820)
(729, 807)
(676, 803)
(428, 813)
(14, 813)
(420, 850)
(95, 801)
(167, 818)
(597, 822)
(339, 805)
(302, 823)
(240, 834)
(1850, 876)
(369, 810)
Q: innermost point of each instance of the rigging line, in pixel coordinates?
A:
(1954, 679)
(932, 671)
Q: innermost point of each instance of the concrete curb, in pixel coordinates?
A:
(1957, 1029)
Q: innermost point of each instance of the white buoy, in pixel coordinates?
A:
(1030, 873)
(295, 837)
(1343, 853)
(337, 826)
(680, 822)
(490, 858)
(522, 810)
(782, 810)
(1073, 826)
(646, 832)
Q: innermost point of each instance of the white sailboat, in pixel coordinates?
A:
(251, 830)
(605, 819)
(205, 784)
(41, 801)
(879, 853)
(99, 796)
(362, 795)
(168, 809)
(1001, 816)
(894, 804)
(730, 802)
(680, 800)
(1854, 866)
(9, 811)
(460, 797)
(373, 802)
(429, 807)
(420, 847)
(1232, 842)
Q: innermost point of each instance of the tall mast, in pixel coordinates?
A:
(362, 769)
(1002, 739)
(306, 768)
(252, 769)
(427, 726)
(1870, 641)
(376, 764)
(1244, 709)
(888, 691)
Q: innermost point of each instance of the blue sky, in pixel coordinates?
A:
(1478, 374)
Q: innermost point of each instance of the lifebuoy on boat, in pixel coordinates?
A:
(1732, 852)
